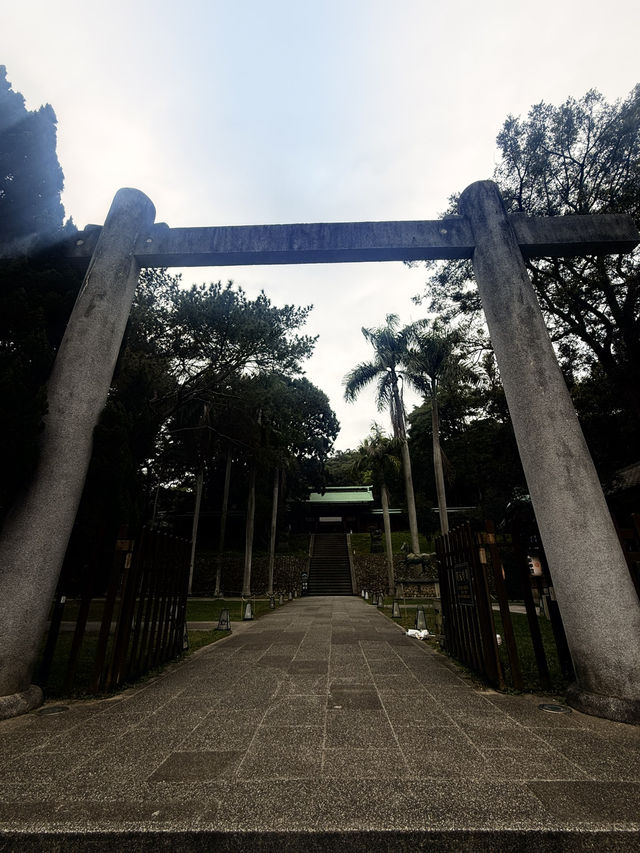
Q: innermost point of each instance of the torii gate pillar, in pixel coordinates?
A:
(595, 593)
(36, 532)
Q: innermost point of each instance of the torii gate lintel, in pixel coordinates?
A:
(449, 238)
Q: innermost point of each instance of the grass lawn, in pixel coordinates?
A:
(530, 674)
(408, 608)
(208, 610)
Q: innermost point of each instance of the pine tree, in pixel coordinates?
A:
(31, 179)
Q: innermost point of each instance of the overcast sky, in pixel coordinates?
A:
(238, 112)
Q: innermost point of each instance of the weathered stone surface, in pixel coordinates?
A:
(20, 703)
(36, 531)
(595, 593)
(335, 242)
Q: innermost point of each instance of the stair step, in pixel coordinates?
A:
(329, 568)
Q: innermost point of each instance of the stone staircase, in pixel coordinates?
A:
(329, 570)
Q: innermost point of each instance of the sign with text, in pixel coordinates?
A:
(463, 584)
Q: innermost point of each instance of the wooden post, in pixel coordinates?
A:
(503, 600)
(272, 538)
(520, 552)
(384, 491)
(194, 526)
(437, 465)
(248, 549)
(223, 520)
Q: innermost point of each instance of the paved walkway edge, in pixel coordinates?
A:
(506, 841)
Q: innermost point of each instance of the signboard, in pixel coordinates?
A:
(463, 584)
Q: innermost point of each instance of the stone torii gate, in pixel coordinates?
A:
(599, 606)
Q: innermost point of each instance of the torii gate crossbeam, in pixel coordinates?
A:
(597, 599)
(353, 242)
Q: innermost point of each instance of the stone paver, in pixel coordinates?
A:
(318, 726)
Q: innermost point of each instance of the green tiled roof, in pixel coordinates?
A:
(343, 495)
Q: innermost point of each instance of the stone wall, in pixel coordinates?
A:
(287, 573)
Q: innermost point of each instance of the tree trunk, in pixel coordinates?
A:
(251, 512)
(223, 521)
(411, 502)
(387, 537)
(274, 524)
(437, 465)
(194, 529)
(154, 514)
(400, 431)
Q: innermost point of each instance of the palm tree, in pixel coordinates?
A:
(390, 343)
(376, 456)
(432, 358)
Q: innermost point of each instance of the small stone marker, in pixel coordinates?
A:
(421, 621)
(224, 622)
(272, 602)
(281, 599)
(248, 612)
(395, 610)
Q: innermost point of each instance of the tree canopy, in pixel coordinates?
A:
(582, 157)
(36, 292)
(31, 179)
(194, 364)
(390, 344)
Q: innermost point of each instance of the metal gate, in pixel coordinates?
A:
(468, 625)
(142, 617)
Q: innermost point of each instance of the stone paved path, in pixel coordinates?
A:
(318, 725)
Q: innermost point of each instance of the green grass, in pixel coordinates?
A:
(198, 639)
(408, 612)
(208, 610)
(530, 674)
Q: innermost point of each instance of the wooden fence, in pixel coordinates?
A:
(142, 617)
(472, 576)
